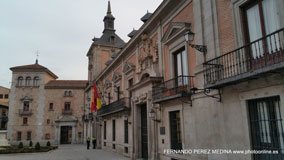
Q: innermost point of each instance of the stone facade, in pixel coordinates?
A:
(179, 98)
(40, 112)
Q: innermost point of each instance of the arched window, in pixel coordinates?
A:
(28, 81)
(36, 81)
(20, 81)
(70, 93)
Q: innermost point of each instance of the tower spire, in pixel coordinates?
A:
(108, 8)
(109, 20)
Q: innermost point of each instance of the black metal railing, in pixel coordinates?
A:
(177, 86)
(114, 107)
(25, 112)
(264, 52)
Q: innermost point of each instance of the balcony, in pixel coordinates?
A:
(173, 88)
(265, 55)
(121, 105)
(25, 112)
(67, 112)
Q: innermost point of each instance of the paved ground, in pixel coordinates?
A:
(66, 152)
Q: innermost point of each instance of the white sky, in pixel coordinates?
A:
(62, 32)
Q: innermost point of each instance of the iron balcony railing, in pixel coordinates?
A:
(173, 88)
(67, 111)
(114, 107)
(260, 56)
(25, 112)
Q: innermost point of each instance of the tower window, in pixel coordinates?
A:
(20, 81)
(28, 81)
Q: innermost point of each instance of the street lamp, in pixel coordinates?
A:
(152, 115)
(189, 36)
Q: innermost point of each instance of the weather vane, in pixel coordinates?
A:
(37, 55)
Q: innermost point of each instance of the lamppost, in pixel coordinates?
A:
(189, 36)
(152, 115)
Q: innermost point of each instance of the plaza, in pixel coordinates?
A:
(66, 152)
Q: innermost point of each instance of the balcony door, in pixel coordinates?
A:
(180, 68)
(262, 18)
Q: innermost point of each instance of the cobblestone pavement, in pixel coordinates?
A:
(66, 152)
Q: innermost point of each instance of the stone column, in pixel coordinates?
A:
(73, 134)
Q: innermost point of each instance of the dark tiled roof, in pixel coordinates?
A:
(132, 33)
(146, 17)
(33, 68)
(106, 39)
(66, 84)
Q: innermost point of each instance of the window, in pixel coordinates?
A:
(130, 84)
(113, 130)
(68, 93)
(67, 106)
(28, 81)
(118, 92)
(47, 136)
(1, 96)
(20, 81)
(25, 121)
(26, 106)
(262, 18)
(19, 136)
(181, 66)
(108, 97)
(105, 129)
(6, 96)
(125, 131)
(36, 81)
(113, 146)
(29, 135)
(266, 126)
(48, 121)
(51, 106)
(125, 149)
(175, 130)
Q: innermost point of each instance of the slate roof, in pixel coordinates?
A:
(66, 84)
(33, 68)
(105, 39)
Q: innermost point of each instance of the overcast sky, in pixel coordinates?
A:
(61, 30)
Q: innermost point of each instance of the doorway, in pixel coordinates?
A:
(144, 131)
(66, 135)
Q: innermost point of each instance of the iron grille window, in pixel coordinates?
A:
(25, 121)
(67, 106)
(6, 96)
(29, 135)
(266, 126)
(19, 136)
(113, 130)
(50, 106)
(125, 131)
(105, 129)
(175, 130)
(1, 96)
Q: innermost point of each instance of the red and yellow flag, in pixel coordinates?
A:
(96, 102)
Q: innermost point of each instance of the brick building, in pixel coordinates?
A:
(44, 109)
(198, 74)
(101, 53)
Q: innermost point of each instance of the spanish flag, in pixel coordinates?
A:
(96, 102)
